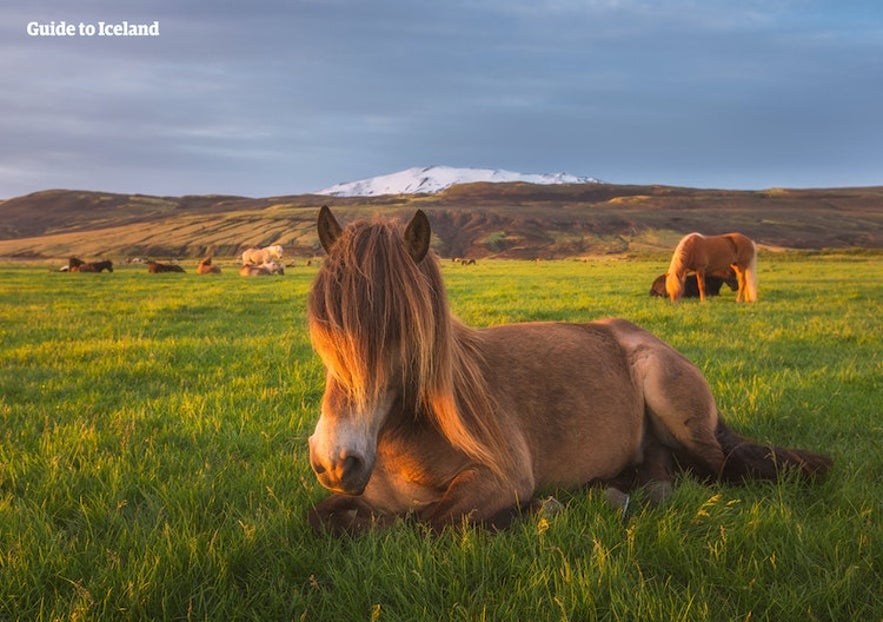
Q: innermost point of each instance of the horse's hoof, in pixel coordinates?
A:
(549, 507)
(658, 492)
(617, 498)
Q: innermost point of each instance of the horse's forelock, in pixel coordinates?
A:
(369, 304)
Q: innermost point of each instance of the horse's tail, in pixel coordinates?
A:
(746, 459)
(751, 276)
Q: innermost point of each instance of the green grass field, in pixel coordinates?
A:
(153, 457)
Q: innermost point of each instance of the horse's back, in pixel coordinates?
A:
(712, 252)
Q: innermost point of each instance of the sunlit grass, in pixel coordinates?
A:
(153, 459)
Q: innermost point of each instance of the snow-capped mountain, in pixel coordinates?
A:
(436, 178)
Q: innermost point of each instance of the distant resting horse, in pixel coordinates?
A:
(424, 416)
(75, 264)
(269, 268)
(258, 256)
(205, 267)
(713, 284)
(155, 268)
(94, 266)
(704, 254)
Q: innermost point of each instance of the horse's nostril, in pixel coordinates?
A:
(318, 468)
(352, 464)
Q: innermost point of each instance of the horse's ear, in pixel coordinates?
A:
(329, 228)
(417, 236)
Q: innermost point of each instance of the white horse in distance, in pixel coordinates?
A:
(258, 256)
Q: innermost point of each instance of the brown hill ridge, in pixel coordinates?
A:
(514, 220)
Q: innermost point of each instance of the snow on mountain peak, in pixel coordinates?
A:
(432, 179)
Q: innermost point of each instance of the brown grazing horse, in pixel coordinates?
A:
(423, 416)
(704, 254)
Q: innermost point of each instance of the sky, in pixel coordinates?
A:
(275, 97)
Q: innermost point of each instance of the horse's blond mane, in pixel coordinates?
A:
(374, 313)
(680, 258)
(682, 253)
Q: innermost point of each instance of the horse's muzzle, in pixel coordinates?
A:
(346, 474)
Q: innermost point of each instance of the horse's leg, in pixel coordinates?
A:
(682, 411)
(476, 496)
(700, 282)
(341, 514)
(740, 277)
(655, 473)
(547, 507)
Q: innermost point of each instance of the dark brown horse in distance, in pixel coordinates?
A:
(155, 268)
(78, 265)
(426, 417)
(713, 284)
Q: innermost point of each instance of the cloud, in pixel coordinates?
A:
(274, 97)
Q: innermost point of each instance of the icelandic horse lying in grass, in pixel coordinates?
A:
(714, 253)
(75, 264)
(269, 268)
(259, 256)
(94, 266)
(206, 267)
(425, 417)
(154, 267)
